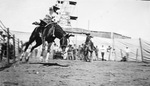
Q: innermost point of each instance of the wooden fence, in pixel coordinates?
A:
(9, 38)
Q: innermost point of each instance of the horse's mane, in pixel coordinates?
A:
(60, 28)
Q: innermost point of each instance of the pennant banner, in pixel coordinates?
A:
(73, 17)
(55, 8)
(72, 2)
(60, 2)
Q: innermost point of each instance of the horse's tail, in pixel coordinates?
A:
(35, 31)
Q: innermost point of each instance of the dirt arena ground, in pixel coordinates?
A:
(76, 73)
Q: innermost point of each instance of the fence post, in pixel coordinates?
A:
(121, 53)
(1, 32)
(21, 46)
(136, 55)
(8, 37)
(141, 49)
(112, 44)
(14, 51)
(18, 52)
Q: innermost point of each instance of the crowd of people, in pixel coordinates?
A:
(74, 52)
(103, 53)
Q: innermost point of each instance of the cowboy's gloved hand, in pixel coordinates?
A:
(35, 23)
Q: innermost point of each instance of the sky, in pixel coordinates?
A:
(127, 17)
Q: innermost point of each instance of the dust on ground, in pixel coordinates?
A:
(76, 73)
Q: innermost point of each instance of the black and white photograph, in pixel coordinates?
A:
(74, 42)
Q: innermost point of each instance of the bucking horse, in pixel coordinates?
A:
(44, 33)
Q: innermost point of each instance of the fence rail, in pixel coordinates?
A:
(10, 39)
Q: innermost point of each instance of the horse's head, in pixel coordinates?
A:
(64, 41)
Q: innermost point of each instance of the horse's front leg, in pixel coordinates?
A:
(48, 52)
(43, 45)
(24, 51)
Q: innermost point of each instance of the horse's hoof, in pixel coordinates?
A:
(20, 59)
(27, 60)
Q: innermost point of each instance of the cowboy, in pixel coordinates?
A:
(88, 38)
(49, 19)
(52, 18)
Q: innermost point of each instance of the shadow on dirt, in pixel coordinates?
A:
(145, 65)
(10, 84)
(51, 64)
(6, 66)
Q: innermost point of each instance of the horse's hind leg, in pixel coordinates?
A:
(37, 44)
(26, 47)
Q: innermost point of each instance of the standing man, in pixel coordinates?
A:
(55, 49)
(70, 52)
(114, 54)
(103, 52)
(109, 52)
(96, 52)
(74, 52)
(127, 51)
(81, 52)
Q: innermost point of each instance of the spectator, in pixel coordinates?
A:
(55, 49)
(114, 54)
(96, 51)
(74, 52)
(109, 51)
(70, 52)
(79, 52)
(103, 52)
(127, 51)
(65, 54)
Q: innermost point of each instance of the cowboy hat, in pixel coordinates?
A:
(87, 33)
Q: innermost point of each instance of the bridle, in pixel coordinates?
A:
(63, 41)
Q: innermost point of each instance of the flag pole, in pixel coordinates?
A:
(88, 25)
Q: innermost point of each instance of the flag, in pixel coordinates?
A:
(60, 2)
(72, 2)
(73, 17)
